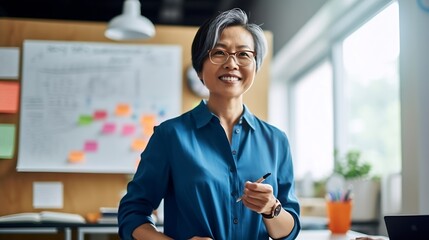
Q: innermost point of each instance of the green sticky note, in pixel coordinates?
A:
(85, 119)
(7, 140)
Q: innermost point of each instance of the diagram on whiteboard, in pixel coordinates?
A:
(91, 107)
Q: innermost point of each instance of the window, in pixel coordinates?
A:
(371, 92)
(312, 120)
(357, 108)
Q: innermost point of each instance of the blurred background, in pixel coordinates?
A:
(283, 17)
(347, 86)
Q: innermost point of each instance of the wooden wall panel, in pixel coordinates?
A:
(85, 192)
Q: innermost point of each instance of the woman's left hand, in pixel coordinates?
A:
(258, 197)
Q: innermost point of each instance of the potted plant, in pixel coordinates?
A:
(365, 189)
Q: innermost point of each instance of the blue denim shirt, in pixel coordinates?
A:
(190, 164)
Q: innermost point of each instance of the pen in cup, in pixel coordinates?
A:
(260, 180)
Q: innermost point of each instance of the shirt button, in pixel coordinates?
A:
(237, 130)
(234, 152)
(231, 169)
(233, 193)
(235, 220)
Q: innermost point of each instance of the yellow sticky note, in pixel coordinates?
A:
(9, 97)
(7, 140)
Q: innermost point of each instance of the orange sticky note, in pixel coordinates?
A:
(9, 97)
(76, 156)
(147, 131)
(138, 144)
(123, 110)
(148, 120)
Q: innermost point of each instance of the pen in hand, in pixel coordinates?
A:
(260, 180)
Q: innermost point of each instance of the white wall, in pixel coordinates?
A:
(414, 74)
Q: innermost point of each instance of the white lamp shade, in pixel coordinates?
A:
(130, 25)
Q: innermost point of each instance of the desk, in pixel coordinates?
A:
(56, 228)
(82, 229)
(36, 228)
(326, 235)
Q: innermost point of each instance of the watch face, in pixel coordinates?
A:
(277, 210)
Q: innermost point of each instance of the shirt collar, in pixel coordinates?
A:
(202, 115)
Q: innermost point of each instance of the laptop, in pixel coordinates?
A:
(403, 227)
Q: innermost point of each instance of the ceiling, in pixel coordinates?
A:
(282, 17)
(176, 12)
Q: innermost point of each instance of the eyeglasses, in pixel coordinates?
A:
(242, 58)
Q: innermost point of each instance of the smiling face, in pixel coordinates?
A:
(229, 80)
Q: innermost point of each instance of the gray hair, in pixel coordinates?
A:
(209, 33)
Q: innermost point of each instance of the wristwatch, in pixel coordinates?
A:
(275, 211)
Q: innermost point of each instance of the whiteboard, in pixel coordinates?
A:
(91, 107)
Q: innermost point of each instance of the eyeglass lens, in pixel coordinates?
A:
(242, 58)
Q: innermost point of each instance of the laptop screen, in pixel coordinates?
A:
(400, 227)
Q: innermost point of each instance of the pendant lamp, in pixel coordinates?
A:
(130, 25)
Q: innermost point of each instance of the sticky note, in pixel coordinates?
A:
(108, 128)
(147, 131)
(128, 129)
(148, 120)
(90, 146)
(76, 156)
(9, 62)
(100, 114)
(123, 110)
(85, 119)
(138, 144)
(148, 123)
(7, 140)
(9, 97)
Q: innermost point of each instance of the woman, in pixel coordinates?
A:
(201, 162)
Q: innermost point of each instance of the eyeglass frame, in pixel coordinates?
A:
(231, 54)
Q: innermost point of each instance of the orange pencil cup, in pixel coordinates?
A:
(339, 216)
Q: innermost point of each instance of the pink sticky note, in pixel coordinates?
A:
(108, 128)
(9, 95)
(128, 129)
(100, 114)
(90, 146)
